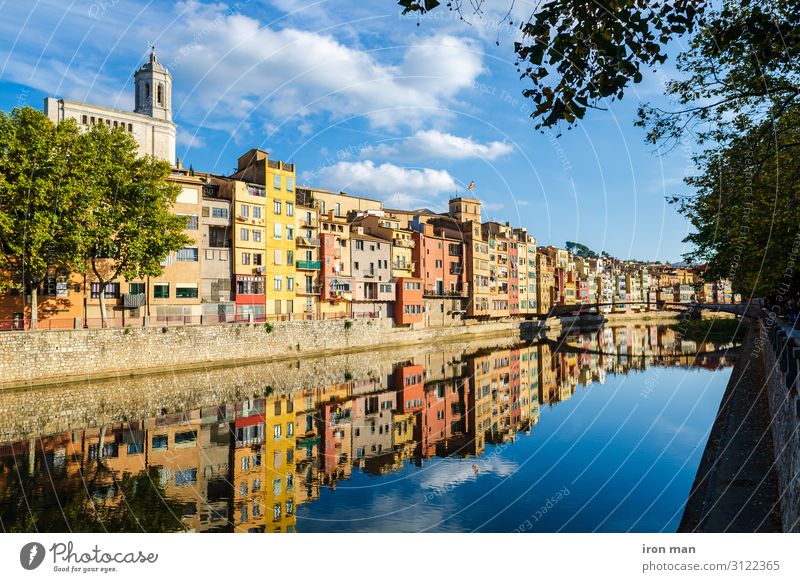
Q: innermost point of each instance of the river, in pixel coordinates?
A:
(597, 431)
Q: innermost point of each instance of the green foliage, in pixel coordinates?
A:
(267, 327)
(577, 53)
(42, 201)
(101, 502)
(348, 324)
(580, 250)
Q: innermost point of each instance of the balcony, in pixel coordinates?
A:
(400, 242)
(305, 241)
(310, 290)
(133, 300)
(308, 265)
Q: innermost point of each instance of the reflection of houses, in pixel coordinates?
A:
(247, 466)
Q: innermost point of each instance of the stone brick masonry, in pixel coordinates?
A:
(28, 358)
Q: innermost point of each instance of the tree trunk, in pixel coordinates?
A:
(103, 304)
(34, 308)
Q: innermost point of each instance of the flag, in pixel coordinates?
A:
(471, 186)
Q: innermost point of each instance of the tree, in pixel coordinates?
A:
(42, 174)
(128, 229)
(739, 100)
(577, 53)
(580, 250)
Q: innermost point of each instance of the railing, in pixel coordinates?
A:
(54, 324)
(308, 265)
(306, 241)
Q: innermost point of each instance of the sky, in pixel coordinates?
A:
(364, 100)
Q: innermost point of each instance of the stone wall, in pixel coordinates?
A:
(28, 358)
(781, 361)
(57, 408)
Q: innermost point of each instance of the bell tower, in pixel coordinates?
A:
(153, 89)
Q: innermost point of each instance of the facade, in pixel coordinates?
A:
(272, 183)
(150, 123)
(370, 266)
(408, 304)
(216, 289)
(308, 285)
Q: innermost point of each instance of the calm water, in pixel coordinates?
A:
(601, 433)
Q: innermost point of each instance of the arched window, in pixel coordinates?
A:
(160, 94)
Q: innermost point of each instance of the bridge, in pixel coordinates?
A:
(694, 309)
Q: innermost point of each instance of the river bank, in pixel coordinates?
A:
(46, 357)
(736, 486)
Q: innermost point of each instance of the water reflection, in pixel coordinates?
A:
(252, 465)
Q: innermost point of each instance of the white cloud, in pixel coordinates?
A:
(436, 144)
(241, 68)
(189, 139)
(234, 72)
(398, 186)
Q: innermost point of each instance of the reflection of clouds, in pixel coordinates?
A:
(442, 475)
(390, 512)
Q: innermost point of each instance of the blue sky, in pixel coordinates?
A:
(363, 101)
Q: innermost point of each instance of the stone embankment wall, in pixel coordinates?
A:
(57, 408)
(29, 358)
(782, 365)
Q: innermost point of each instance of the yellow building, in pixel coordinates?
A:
(278, 181)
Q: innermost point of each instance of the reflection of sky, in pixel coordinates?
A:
(626, 452)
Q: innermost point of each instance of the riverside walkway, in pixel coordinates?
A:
(736, 487)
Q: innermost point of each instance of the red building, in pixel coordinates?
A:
(409, 383)
(408, 301)
(439, 261)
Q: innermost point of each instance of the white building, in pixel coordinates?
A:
(151, 121)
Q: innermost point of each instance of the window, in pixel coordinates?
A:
(136, 288)
(277, 207)
(209, 255)
(289, 429)
(277, 283)
(161, 290)
(256, 486)
(244, 234)
(245, 211)
(256, 212)
(192, 222)
(185, 438)
(278, 230)
(277, 486)
(290, 285)
(276, 511)
(185, 477)
(276, 181)
(186, 290)
(111, 291)
(337, 209)
(386, 288)
(289, 232)
(290, 207)
(245, 258)
(257, 259)
(256, 235)
(160, 441)
(290, 258)
(187, 255)
(290, 184)
(278, 257)
(359, 245)
(219, 213)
